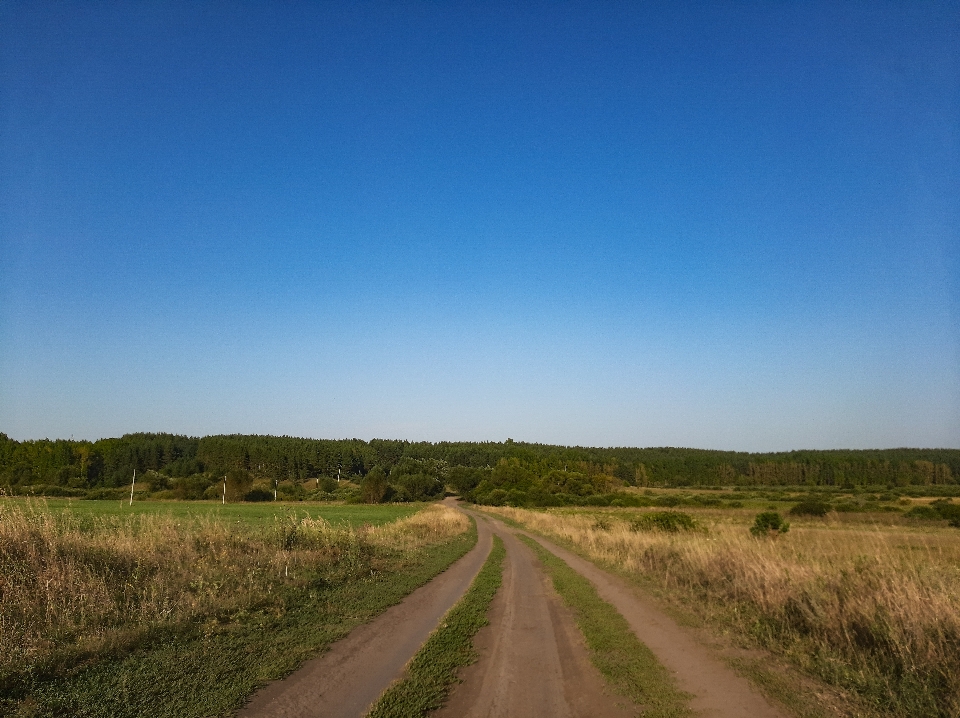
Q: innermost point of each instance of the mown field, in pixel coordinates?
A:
(247, 513)
(868, 603)
(175, 609)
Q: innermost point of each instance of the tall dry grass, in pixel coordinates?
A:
(74, 587)
(873, 609)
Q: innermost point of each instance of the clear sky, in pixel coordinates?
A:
(717, 225)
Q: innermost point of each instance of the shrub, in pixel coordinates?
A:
(258, 494)
(596, 500)
(810, 508)
(769, 523)
(373, 487)
(939, 510)
(670, 521)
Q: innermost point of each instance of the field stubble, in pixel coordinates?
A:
(75, 588)
(872, 608)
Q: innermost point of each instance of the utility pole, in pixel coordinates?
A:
(132, 484)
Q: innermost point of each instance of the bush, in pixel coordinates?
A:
(417, 487)
(327, 484)
(939, 510)
(671, 521)
(769, 523)
(596, 500)
(810, 508)
(258, 494)
(373, 487)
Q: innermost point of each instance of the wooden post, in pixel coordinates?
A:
(132, 484)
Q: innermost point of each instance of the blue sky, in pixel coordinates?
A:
(716, 225)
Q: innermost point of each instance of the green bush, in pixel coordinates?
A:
(373, 487)
(810, 508)
(939, 510)
(769, 523)
(258, 494)
(671, 521)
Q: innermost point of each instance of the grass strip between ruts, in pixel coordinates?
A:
(626, 663)
(434, 669)
(196, 675)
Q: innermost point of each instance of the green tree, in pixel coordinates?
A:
(374, 486)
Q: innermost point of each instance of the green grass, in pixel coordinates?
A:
(252, 513)
(627, 664)
(210, 669)
(434, 669)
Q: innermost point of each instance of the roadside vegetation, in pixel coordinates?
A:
(626, 663)
(434, 669)
(867, 603)
(185, 615)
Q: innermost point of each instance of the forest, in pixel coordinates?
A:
(253, 467)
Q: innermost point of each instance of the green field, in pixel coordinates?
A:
(250, 513)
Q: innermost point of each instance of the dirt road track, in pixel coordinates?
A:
(533, 661)
(719, 692)
(347, 679)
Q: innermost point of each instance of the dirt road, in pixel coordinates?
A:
(717, 690)
(346, 680)
(533, 661)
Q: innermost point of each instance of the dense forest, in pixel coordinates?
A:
(174, 466)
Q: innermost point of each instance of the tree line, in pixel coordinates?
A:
(476, 467)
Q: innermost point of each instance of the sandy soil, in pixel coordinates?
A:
(533, 661)
(346, 680)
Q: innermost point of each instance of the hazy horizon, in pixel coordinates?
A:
(710, 226)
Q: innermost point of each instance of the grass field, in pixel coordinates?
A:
(869, 603)
(185, 612)
(251, 513)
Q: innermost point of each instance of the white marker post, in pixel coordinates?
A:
(224, 490)
(132, 484)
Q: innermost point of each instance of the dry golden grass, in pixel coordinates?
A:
(435, 523)
(874, 608)
(78, 584)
